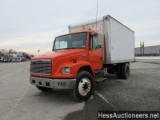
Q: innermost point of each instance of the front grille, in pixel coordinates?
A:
(41, 66)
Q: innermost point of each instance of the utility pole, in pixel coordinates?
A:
(142, 48)
(96, 15)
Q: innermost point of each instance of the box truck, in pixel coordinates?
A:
(82, 58)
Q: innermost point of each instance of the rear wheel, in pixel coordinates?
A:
(118, 71)
(43, 89)
(125, 71)
(84, 86)
(111, 71)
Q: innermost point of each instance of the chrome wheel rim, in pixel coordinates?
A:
(84, 86)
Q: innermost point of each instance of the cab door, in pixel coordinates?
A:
(95, 52)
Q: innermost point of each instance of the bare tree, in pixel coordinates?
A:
(11, 51)
(3, 51)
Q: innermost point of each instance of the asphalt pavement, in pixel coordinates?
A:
(21, 101)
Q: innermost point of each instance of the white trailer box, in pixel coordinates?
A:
(118, 44)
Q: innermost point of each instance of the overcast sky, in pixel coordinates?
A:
(31, 25)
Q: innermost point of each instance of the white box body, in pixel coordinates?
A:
(118, 42)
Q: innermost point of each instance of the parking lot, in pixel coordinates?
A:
(21, 101)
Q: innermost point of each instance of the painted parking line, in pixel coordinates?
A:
(101, 96)
(20, 99)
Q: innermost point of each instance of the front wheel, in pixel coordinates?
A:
(84, 86)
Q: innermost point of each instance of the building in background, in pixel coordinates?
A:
(148, 51)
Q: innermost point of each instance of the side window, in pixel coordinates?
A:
(100, 40)
(93, 41)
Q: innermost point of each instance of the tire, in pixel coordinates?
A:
(84, 86)
(125, 71)
(43, 89)
(118, 71)
(111, 71)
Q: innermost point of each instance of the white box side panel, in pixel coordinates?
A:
(121, 42)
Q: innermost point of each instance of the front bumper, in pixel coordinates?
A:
(53, 83)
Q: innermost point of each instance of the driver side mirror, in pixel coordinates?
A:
(99, 46)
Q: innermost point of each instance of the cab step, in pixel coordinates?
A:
(101, 79)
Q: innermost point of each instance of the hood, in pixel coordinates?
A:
(58, 53)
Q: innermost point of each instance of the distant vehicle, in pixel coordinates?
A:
(12, 58)
(15, 58)
(1, 57)
(7, 58)
(21, 57)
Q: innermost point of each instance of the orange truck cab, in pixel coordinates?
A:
(80, 59)
(74, 58)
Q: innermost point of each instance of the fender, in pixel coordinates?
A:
(74, 69)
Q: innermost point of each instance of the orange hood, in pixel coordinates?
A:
(58, 53)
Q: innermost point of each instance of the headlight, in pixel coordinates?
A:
(66, 70)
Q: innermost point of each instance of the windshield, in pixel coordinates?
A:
(72, 41)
